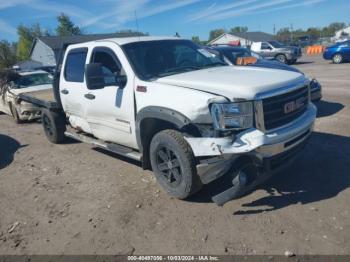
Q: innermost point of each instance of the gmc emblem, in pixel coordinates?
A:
(294, 105)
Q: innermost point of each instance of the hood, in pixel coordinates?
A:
(234, 81)
(18, 91)
(275, 65)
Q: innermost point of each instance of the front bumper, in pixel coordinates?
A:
(221, 154)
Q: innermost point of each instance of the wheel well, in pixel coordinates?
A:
(151, 126)
(280, 54)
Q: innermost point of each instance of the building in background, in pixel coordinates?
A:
(27, 65)
(46, 49)
(342, 34)
(245, 39)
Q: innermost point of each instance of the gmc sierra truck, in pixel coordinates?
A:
(182, 112)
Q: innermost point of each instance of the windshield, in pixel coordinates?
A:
(33, 80)
(153, 59)
(232, 55)
(276, 44)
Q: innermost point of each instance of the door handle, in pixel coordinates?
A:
(89, 96)
(65, 92)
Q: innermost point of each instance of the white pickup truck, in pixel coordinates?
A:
(180, 111)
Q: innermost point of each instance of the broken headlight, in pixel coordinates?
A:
(232, 116)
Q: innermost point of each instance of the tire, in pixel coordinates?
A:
(282, 58)
(15, 114)
(173, 164)
(337, 59)
(54, 125)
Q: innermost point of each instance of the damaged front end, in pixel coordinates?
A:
(251, 156)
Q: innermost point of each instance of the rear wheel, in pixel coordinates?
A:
(173, 164)
(54, 125)
(15, 114)
(337, 58)
(282, 58)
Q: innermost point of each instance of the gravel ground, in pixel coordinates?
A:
(74, 199)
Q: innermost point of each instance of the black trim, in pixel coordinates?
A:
(161, 113)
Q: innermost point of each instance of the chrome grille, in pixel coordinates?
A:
(281, 109)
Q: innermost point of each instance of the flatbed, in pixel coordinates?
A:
(41, 98)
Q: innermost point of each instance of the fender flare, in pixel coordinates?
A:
(161, 113)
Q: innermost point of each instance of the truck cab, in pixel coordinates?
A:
(182, 112)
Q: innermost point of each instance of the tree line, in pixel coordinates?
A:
(11, 53)
(283, 34)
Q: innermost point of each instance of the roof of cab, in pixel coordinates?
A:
(128, 40)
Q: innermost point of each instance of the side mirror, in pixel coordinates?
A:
(94, 76)
(97, 77)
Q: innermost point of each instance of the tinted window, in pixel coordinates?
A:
(110, 65)
(33, 80)
(75, 65)
(276, 44)
(265, 46)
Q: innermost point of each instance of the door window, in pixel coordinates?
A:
(110, 64)
(75, 65)
(265, 46)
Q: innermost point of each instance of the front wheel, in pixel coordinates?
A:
(54, 125)
(173, 164)
(337, 58)
(282, 58)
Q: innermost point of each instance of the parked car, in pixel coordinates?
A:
(339, 52)
(180, 111)
(11, 104)
(230, 54)
(278, 51)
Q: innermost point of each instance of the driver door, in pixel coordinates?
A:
(266, 51)
(110, 111)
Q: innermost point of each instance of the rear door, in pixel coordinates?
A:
(110, 110)
(73, 86)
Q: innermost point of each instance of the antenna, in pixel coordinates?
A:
(137, 25)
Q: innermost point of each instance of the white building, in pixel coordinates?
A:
(245, 39)
(342, 34)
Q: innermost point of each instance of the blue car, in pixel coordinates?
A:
(340, 52)
(229, 54)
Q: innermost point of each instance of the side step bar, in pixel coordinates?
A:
(114, 148)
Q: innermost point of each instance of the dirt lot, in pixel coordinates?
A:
(72, 199)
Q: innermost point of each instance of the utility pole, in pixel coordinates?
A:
(291, 32)
(274, 29)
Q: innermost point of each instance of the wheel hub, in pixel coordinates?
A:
(169, 166)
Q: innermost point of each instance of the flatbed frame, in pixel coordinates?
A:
(41, 98)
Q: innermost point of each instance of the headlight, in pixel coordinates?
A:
(314, 84)
(232, 116)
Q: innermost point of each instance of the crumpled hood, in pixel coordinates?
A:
(235, 82)
(18, 91)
